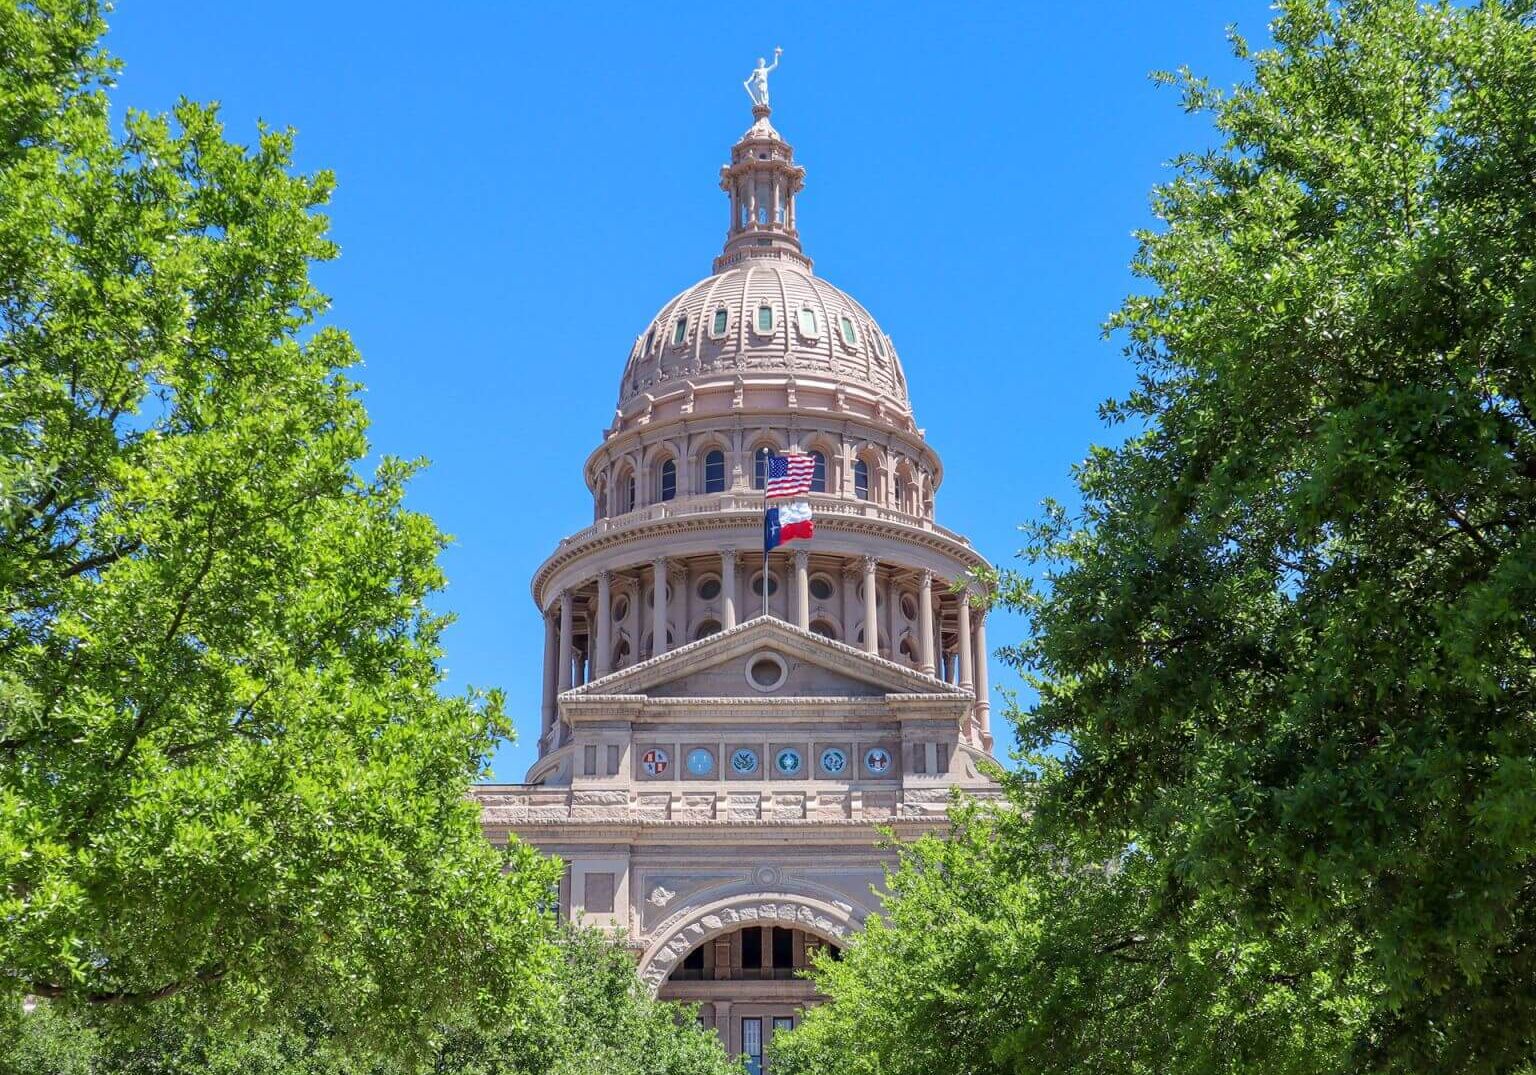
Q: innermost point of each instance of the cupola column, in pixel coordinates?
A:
(604, 624)
(802, 589)
(871, 626)
(727, 588)
(551, 668)
(658, 606)
(565, 641)
(983, 703)
(925, 618)
(967, 679)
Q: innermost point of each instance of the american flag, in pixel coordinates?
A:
(789, 475)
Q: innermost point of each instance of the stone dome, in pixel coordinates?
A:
(764, 315)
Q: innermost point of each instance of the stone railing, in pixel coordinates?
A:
(720, 503)
(528, 804)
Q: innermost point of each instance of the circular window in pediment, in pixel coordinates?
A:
(766, 671)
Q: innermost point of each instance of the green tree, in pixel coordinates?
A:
(999, 952)
(225, 766)
(1288, 641)
(588, 1015)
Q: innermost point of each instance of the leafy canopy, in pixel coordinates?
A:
(224, 763)
(1289, 638)
(589, 1015)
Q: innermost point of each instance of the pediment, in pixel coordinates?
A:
(738, 663)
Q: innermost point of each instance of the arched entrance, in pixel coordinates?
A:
(741, 960)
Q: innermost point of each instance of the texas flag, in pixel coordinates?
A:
(786, 523)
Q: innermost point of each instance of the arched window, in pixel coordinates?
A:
(861, 479)
(901, 493)
(824, 628)
(707, 628)
(668, 479)
(714, 471)
(760, 471)
(626, 493)
(819, 473)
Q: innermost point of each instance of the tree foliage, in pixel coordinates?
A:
(588, 1015)
(225, 766)
(1288, 641)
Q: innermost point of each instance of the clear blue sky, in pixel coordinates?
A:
(520, 188)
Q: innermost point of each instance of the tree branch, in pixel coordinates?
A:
(207, 976)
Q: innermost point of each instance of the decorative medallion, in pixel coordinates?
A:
(660, 896)
(787, 761)
(833, 761)
(700, 762)
(655, 761)
(744, 761)
(877, 760)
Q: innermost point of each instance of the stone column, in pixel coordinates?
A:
(658, 606)
(802, 588)
(727, 589)
(967, 679)
(925, 619)
(604, 655)
(983, 703)
(871, 625)
(565, 640)
(551, 668)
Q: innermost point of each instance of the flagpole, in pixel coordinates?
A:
(765, 543)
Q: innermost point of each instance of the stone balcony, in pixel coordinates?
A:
(523, 805)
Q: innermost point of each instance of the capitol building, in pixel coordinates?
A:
(724, 735)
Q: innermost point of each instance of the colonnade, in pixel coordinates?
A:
(963, 665)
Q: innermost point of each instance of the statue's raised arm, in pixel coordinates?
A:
(757, 82)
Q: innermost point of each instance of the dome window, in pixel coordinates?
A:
(808, 327)
(821, 588)
(717, 328)
(850, 335)
(760, 471)
(818, 472)
(669, 479)
(650, 339)
(714, 472)
(680, 330)
(765, 318)
(709, 588)
(861, 480)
